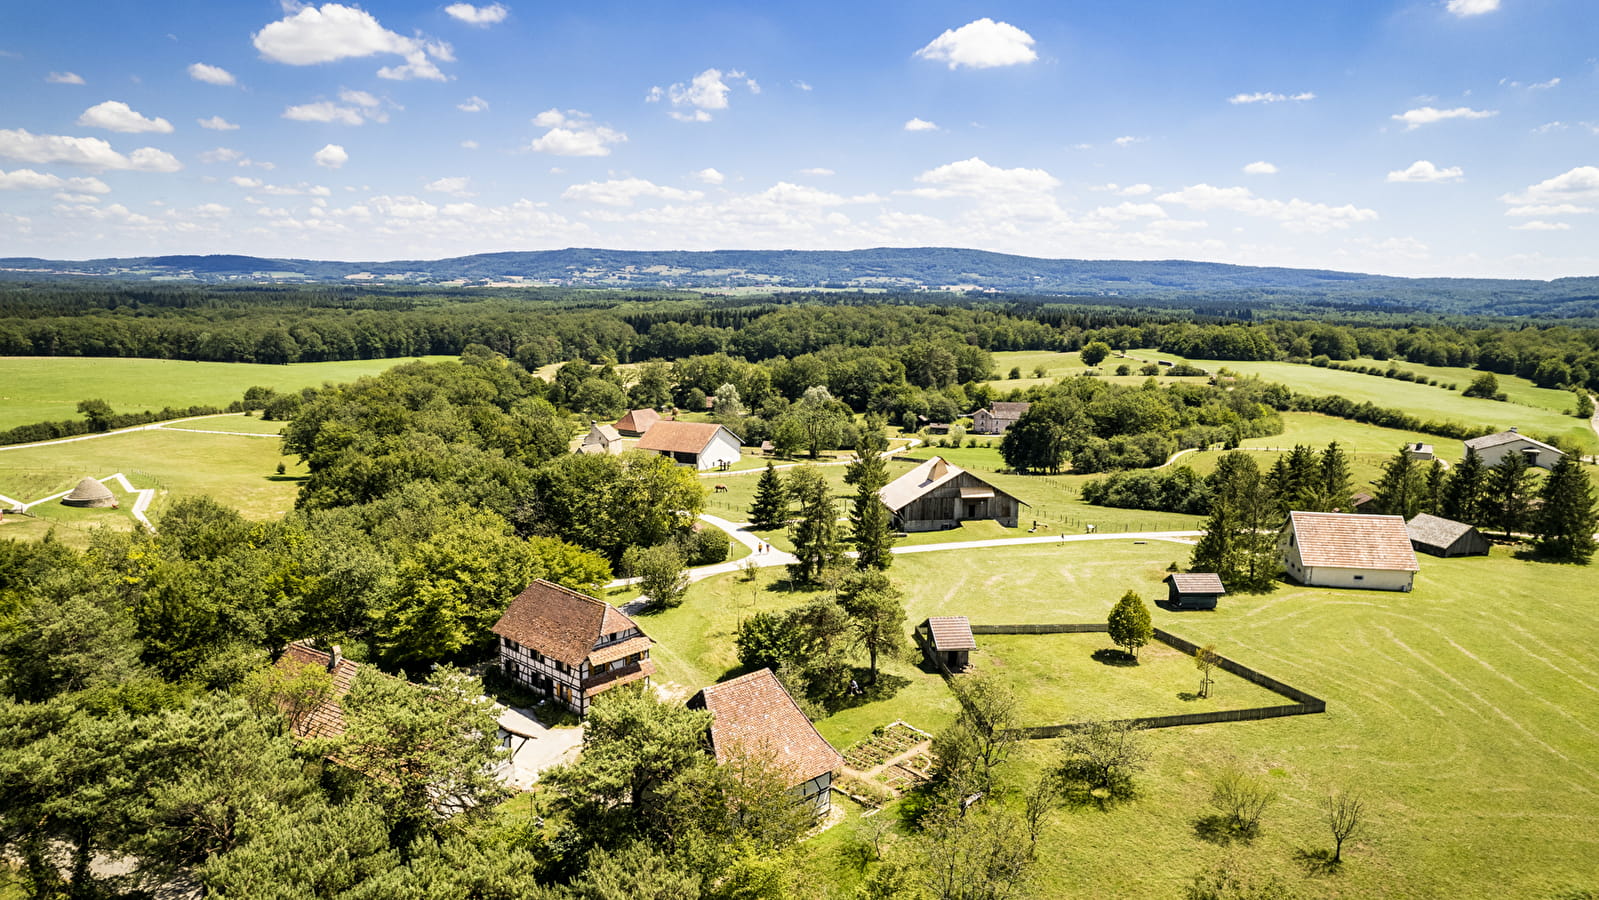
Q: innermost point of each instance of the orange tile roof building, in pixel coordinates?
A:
(324, 719)
(702, 445)
(570, 646)
(636, 422)
(753, 714)
(1348, 550)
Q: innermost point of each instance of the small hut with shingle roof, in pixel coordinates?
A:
(90, 493)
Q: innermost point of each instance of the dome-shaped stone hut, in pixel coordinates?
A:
(90, 493)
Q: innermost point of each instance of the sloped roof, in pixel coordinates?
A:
(327, 719)
(607, 432)
(1004, 410)
(1352, 541)
(1505, 437)
(918, 481)
(638, 421)
(90, 489)
(754, 713)
(1435, 531)
(1197, 582)
(680, 437)
(951, 633)
(559, 622)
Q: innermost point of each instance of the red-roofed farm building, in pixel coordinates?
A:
(570, 646)
(752, 714)
(1345, 550)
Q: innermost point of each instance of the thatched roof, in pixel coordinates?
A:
(90, 489)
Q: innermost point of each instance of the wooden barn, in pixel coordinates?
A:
(1195, 590)
(1347, 550)
(938, 494)
(753, 715)
(950, 638)
(1445, 537)
(1491, 448)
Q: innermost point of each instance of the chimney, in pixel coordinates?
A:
(1514, 430)
(335, 656)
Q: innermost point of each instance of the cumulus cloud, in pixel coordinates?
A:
(455, 185)
(1295, 215)
(1260, 167)
(974, 177)
(217, 123)
(29, 180)
(473, 103)
(1427, 115)
(220, 155)
(481, 16)
(1548, 209)
(983, 44)
(360, 107)
(64, 78)
(211, 74)
(313, 35)
(246, 183)
(1128, 211)
(709, 176)
(114, 115)
(1465, 8)
(331, 156)
(920, 125)
(1424, 171)
(1571, 192)
(1270, 97)
(91, 153)
(817, 172)
(703, 95)
(573, 133)
(1536, 225)
(1128, 140)
(622, 192)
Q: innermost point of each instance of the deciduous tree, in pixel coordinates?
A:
(1129, 623)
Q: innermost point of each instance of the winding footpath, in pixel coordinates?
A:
(153, 426)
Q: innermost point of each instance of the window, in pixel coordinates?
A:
(1360, 578)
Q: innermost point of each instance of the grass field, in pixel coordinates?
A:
(34, 389)
(1466, 711)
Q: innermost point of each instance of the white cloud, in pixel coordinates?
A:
(1260, 167)
(29, 180)
(974, 177)
(1465, 8)
(920, 125)
(1548, 209)
(1578, 185)
(817, 172)
(324, 111)
(473, 103)
(332, 156)
(481, 16)
(1136, 190)
(91, 153)
(1128, 140)
(217, 123)
(1270, 97)
(220, 155)
(210, 211)
(246, 183)
(704, 94)
(64, 78)
(709, 176)
(1127, 211)
(313, 35)
(359, 98)
(1536, 225)
(1424, 171)
(1427, 115)
(1295, 215)
(114, 115)
(983, 44)
(1548, 127)
(802, 85)
(622, 192)
(469, 145)
(455, 185)
(573, 133)
(211, 74)
(1544, 85)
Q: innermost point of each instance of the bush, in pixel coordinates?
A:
(703, 548)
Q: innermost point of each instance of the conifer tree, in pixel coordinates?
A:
(870, 520)
(770, 509)
(1463, 490)
(1239, 543)
(1403, 487)
(1434, 501)
(1336, 484)
(815, 530)
(1508, 489)
(1302, 477)
(1567, 519)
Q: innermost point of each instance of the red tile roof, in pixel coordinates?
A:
(951, 633)
(326, 719)
(558, 622)
(1351, 541)
(599, 684)
(638, 421)
(754, 713)
(678, 437)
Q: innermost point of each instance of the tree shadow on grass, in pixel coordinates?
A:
(1223, 830)
(1317, 862)
(1110, 657)
(1190, 696)
(292, 479)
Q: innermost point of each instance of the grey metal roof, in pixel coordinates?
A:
(1505, 437)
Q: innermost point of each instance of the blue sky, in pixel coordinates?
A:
(1452, 137)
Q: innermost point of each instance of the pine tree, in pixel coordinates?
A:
(770, 509)
(1508, 489)
(1567, 519)
(1302, 477)
(1434, 500)
(815, 531)
(1463, 490)
(1336, 485)
(1403, 486)
(870, 520)
(1239, 543)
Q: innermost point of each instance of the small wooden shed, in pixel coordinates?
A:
(951, 640)
(1193, 590)
(1445, 537)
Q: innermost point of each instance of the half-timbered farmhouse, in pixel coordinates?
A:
(937, 494)
(1491, 448)
(698, 444)
(570, 646)
(1347, 550)
(636, 422)
(1445, 537)
(997, 417)
(753, 715)
(601, 439)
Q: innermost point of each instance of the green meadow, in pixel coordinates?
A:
(40, 389)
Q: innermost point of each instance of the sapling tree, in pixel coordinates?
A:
(1346, 817)
(1129, 624)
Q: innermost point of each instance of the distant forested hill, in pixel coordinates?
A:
(895, 269)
